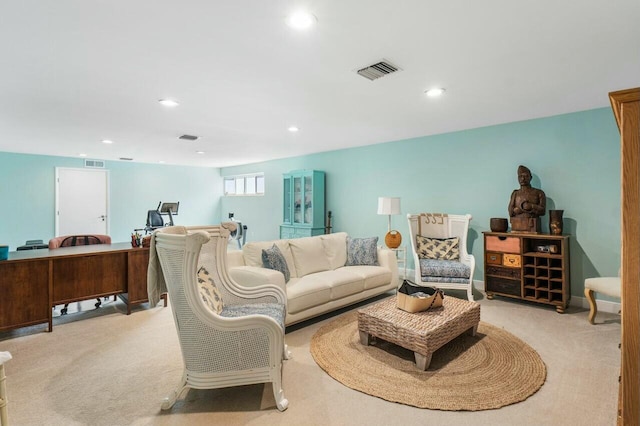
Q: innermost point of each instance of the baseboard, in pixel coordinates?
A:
(577, 301)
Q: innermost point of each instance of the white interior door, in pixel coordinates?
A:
(82, 201)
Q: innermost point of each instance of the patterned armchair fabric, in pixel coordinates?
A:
(439, 247)
(241, 344)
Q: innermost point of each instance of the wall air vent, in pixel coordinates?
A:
(94, 164)
(189, 137)
(378, 70)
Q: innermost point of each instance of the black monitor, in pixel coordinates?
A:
(170, 209)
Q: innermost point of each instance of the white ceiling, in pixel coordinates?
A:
(74, 72)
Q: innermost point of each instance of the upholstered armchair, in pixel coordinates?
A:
(229, 335)
(439, 247)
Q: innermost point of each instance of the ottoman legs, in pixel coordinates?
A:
(365, 338)
(422, 361)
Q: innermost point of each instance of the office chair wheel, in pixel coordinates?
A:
(63, 311)
(98, 303)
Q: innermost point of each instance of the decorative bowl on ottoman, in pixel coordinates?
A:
(498, 224)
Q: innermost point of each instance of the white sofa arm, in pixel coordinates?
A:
(387, 259)
(252, 276)
(234, 258)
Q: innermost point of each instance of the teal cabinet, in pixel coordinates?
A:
(303, 204)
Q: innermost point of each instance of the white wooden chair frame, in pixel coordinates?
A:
(458, 226)
(201, 331)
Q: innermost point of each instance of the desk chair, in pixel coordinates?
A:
(78, 240)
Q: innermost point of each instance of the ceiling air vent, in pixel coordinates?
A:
(126, 159)
(94, 164)
(189, 137)
(378, 70)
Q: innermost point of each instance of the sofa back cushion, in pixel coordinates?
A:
(252, 253)
(335, 247)
(309, 255)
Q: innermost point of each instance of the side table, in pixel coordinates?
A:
(401, 257)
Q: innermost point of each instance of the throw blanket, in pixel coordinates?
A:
(433, 225)
(156, 284)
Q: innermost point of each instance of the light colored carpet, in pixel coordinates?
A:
(106, 368)
(489, 370)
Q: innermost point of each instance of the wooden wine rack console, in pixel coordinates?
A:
(532, 267)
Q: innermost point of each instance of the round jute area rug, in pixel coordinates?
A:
(482, 372)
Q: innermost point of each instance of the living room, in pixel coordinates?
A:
(568, 138)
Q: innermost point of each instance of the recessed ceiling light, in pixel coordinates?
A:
(293, 129)
(82, 155)
(301, 20)
(199, 152)
(107, 141)
(169, 103)
(434, 93)
(161, 161)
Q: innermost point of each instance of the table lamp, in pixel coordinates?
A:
(389, 206)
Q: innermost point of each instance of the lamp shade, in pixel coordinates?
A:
(389, 205)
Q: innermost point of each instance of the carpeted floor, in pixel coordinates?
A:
(105, 368)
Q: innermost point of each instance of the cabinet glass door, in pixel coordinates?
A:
(308, 198)
(297, 199)
(287, 200)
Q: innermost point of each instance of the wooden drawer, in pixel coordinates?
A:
(503, 285)
(511, 260)
(502, 244)
(493, 258)
(501, 271)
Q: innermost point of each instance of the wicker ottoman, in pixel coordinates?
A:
(422, 332)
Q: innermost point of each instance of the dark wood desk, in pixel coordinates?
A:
(33, 281)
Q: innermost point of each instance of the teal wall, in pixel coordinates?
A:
(574, 158)
(27, 194)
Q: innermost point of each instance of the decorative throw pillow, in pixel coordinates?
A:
(273, 258)
(437, 248)
(362, 251)
(208, 291)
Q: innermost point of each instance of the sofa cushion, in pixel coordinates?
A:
(343, 282)
(252, 253)
(372, 276)
(437, 248)
(272, 258)
(308, 255)
(335, 247)
(362, 251)
(305, 292)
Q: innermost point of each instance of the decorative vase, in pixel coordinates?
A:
(498, 224)
(555, 222)
(393, 239)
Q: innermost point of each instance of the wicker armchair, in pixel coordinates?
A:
(454, 274)
(244, 342)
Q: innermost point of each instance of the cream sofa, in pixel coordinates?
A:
(320, 282)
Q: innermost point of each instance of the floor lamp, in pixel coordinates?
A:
(389, 206)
